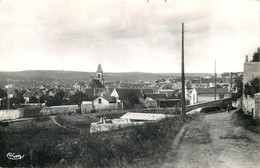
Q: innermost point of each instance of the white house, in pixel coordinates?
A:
(105, 103)
(201, 95)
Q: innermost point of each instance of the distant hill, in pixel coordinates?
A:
(35, 77)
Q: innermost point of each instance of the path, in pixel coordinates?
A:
(55, 122)
(215, 142)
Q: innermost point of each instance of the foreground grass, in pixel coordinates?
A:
(247, 121)
(60, 147)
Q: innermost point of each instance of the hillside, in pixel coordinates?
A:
(35, 77)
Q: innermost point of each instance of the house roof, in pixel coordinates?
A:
(155, 95)
(211, 90)
(109, 98)
(125, 93)
(28, 93)
(99, 69)
(143, 116)
(95, 83)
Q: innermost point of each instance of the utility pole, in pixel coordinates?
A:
(215, 81)
(7, 100)
(182, 76)
(230, 81)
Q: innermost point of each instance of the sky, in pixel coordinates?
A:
(128, 35)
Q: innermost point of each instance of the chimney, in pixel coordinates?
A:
(246, 58)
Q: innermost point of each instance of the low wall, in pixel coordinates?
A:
(222, 103)
(106, 107)
(113, 126)
(59, 110)
(11, 114)
(248, 105)
(26, 124)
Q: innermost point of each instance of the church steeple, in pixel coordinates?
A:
(99, 74)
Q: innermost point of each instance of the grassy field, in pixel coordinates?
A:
(59, 147)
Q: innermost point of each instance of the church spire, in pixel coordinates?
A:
(99, 74)
(99, 69)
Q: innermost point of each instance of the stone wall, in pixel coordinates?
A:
(222, 103)
(26, 124)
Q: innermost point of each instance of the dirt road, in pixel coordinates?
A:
(213, 142)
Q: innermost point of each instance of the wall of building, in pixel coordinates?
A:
(11, 114)
(222, 103)
(210, 97)
(86, 108)
(111, 106)
(251, 70)
(59, 110)
(103, 101)
(256, 113)
(248, 105)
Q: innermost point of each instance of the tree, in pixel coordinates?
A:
(3, 93)
(239, 86)
(78, 97)
(256, 56)
(33, 100)
(252, 87)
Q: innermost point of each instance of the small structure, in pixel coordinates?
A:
(201, 95)
(105, 103)
(86, 107)
(144, 116)
(111, 124)
(164, 103)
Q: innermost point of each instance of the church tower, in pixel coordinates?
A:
(99, 74)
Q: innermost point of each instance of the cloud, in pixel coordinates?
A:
(127, 35)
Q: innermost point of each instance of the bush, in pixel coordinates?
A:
(210, 109)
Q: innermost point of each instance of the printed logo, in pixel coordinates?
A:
(13, 156)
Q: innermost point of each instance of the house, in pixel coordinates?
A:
(201, 95)
(105, 103)
(122, 94)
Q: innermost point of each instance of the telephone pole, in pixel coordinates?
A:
(182, 75)
(215, 81)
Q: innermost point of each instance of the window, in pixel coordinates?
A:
(98, 76)
(99, 101)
